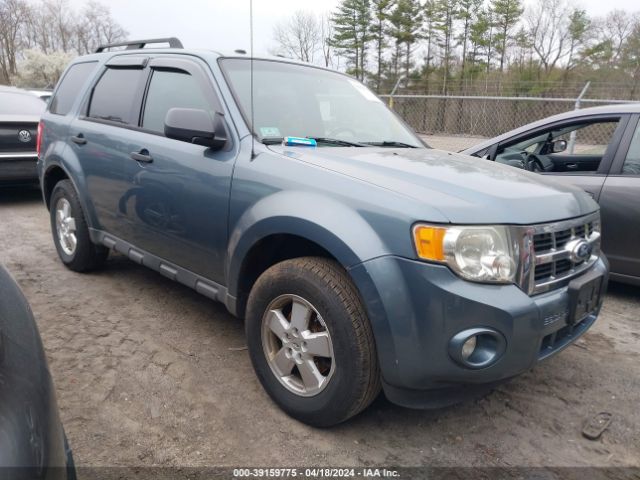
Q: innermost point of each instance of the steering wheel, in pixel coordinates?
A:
(340, 131)
(533, 164)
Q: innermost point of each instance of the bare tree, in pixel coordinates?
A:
(548, 24)
(299, 36)
(12, 14)
(613, 31)
(326, 32)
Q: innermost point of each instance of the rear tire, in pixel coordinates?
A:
(310, 341)
(70, 231)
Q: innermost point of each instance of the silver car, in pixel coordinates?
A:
(20, 113)
(597, 149)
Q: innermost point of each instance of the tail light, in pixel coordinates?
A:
(39, 137)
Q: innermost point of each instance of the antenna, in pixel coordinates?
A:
(253, 137)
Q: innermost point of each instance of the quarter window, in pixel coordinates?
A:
(170, 89)
(69, 87)
(115, 97)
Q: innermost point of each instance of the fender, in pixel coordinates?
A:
(68, 161)
(335, 227)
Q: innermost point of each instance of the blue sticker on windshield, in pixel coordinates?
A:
(299, 142)
(269, 132)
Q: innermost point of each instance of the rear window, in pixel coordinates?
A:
(70, 87)
(20, 104)
(115, 97)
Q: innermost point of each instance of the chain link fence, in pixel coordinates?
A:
(478, 116)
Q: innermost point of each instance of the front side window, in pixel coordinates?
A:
(300, 101)
(115, 96)
(171, 89)
(71, 84)
(575, 148)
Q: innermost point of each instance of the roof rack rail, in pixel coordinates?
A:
(137, 44)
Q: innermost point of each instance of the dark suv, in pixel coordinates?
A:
(358, 257)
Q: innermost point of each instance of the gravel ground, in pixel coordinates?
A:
(150, 373)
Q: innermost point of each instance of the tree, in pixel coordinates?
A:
(326, 32)
(12, 14)
(579, 24)
(97, 27)
(40, 70)
(351, 25)
(468, 14)
(299, 36)
(444, 12)
(480, 37)
(406, 25)
(380, 15)
(549, 31)
(50, 26)
(506, 14)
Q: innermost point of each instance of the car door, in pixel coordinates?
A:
(102, 140)
(620, 207)
(591, 142)
(178, 193)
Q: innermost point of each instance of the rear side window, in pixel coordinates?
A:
(170, 89)
(116, 96)
(70, 87)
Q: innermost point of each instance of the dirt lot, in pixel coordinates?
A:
(150, 373)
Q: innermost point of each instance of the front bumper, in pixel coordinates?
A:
(416, 308)
(18, 167)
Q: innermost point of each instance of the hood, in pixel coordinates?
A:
(464, 189)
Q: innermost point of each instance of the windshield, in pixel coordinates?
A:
(298, 101)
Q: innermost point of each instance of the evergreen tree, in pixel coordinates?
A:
(444, 13)
(406, 30)
(380, 16)
(506, 14)
(351, 26)
(467, 14)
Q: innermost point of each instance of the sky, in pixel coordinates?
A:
(224, 24)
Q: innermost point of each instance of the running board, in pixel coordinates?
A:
(202, 285)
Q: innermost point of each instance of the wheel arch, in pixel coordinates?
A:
(294, 228)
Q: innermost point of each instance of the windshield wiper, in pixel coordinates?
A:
(326, 140)
(337, 141)
(391, 143)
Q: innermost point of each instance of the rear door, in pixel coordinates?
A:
(102, 139)
(177, 200)
(620, 206)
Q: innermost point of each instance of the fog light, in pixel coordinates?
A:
(477, 347)
(469, 347)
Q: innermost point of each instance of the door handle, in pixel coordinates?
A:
(79, 139)
(571, 166)
(142, 156)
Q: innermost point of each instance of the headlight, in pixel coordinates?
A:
(480, 254)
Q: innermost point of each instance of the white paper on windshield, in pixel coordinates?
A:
(364, 91)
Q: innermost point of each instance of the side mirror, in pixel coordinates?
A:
(559, 146)
(195, 126)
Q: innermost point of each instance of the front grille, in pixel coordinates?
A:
(554, 262)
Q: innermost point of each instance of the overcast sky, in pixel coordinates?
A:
(224, 24)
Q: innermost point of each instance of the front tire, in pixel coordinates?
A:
(70, 231)
(310, 341)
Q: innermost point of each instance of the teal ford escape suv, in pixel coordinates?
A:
(359, 258)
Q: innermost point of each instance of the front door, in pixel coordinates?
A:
(620, 205)
(178, 192)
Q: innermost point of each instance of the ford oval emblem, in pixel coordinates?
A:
(580, 251)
